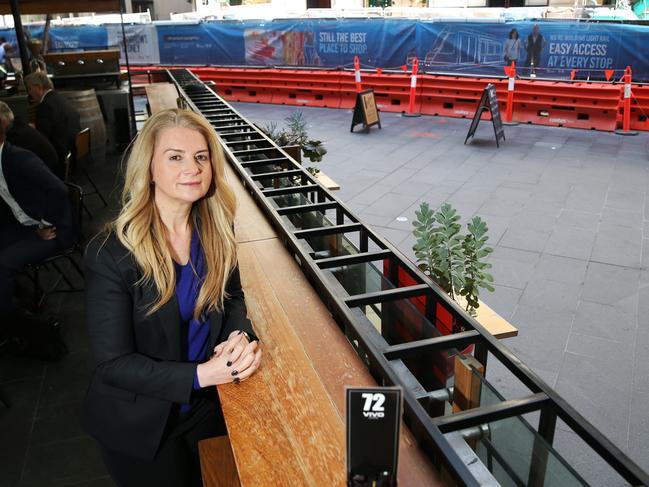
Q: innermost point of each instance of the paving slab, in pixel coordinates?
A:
(618, 245)
(568, 241)
(579, 219)
(562, 269)
(605, 321)
(611, 284)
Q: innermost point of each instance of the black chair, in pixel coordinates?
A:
(4, 399)
(75, 194)
(82, 159)
(67, 167)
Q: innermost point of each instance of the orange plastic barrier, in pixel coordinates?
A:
(278, 86)
(639, 108)
(239, 84)
(454, 96)
(578, 105)
(586, 105)
(306, 88)
(391, 90)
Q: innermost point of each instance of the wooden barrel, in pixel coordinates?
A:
(85, 102)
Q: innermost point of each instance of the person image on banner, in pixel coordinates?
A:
(534, 47)
(311, 57)
(512, 49)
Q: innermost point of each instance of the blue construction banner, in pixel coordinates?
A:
(78, 37)
(65, 38)
(189, 44)
(328, 43)
(550, 49)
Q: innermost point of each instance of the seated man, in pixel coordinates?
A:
(36, 222)
(22, 135)
(56, 119)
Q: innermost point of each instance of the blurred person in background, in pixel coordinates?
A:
(20, 134)
(56, 118)
(36, 222)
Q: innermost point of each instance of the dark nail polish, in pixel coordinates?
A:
(228, 363)
(235, 372)
(236, 380)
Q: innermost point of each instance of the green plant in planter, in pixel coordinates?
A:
(439, 246)
(295, 133)
(313, 150)
(452, 260)
(475, 249)
(270, 129)
(296, 127)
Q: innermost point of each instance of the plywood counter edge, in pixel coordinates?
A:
(492, 321)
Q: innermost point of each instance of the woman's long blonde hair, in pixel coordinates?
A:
(140, 229)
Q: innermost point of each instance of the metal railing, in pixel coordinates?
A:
(334, 238)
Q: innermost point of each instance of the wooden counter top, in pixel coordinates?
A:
(286, 423)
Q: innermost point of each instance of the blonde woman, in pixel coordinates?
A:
(165, 309)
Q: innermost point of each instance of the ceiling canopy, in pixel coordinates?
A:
(37, 7)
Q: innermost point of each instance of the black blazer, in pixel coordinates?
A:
(22, 135)
(57, 120)
(139, 373)
(38, 192)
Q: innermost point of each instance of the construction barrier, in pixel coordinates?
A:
(357, 74)
(278, 86)
(640, 107)
(511, 84)
(413, 90)
(626, 105)
(579, 104)
(391, 91)
(451, 96)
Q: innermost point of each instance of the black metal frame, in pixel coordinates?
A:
(384, 360)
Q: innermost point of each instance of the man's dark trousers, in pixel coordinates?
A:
(19, 246)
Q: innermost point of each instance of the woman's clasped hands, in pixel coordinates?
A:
(234, 360)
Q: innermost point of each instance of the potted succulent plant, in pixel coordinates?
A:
(452, 260)
(295, 140)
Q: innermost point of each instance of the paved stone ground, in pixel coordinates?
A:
(568, 214)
